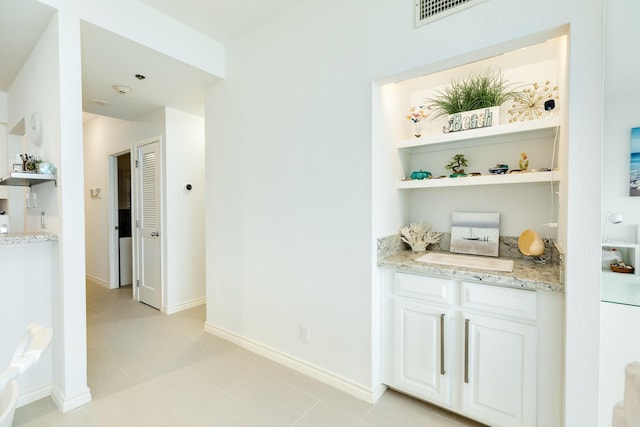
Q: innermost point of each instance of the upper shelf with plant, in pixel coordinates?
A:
(475, 102)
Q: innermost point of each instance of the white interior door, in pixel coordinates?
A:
(148, 242)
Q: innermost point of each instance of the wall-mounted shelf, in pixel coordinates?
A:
(512, 178)
(511, 132)
(631, 257)
(26, 179)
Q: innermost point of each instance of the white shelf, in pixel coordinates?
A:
(634, 259)
(511, 178)
(511, 132)
(26, 179)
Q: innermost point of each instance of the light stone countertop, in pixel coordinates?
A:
(17, 238)
(526, 274)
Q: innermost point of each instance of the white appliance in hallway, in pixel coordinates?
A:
(126, 266)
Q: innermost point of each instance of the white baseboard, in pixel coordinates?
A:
(33, 395)
(343, 384)
(67, 404)
(184, 306)
(97, 281)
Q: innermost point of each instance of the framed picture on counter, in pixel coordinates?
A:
(475, 233)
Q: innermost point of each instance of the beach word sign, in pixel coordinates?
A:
(475, 119)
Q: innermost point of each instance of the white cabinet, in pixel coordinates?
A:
(499, 379)
(468, 347)
(421, 340)
(421, 325)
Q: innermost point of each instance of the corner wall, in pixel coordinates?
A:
(57, 94)
(185, 244)
(103, 136)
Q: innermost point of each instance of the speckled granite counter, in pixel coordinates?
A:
(526, 273)
(16, 238)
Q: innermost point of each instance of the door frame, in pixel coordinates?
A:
(135, 214)
(114, 255)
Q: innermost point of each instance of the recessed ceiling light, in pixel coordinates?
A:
(140, 77)
(122, 90)
(100, 102)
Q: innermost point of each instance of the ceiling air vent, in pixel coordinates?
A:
(430, 10)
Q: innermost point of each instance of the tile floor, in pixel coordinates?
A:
(148, 369)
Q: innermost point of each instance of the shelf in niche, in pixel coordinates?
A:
(513, 178)
(510, 132)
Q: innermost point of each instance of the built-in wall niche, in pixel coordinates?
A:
(525, 201)
(521, 68)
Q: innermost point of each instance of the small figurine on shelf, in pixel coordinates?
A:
(417, 115)
(523, 162)
(30, 162)
(455, 164)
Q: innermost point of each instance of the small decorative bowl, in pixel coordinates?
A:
(622, 269)
(499, 169)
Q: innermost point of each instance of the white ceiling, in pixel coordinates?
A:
(108, 59)
(21, 24)
(222, 20)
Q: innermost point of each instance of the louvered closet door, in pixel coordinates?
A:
(149, 255)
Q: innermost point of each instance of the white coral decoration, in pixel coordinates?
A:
(419, 236)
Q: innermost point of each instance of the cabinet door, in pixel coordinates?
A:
(421, 361)
(499, 371)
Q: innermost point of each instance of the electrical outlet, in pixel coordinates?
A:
(305, 334)
(27, 200)
(34, 200)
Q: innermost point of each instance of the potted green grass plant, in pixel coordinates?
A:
(484, 92)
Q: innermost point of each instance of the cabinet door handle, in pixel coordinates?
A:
(442, 371)
(466, 351)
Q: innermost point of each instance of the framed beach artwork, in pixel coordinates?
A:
(634, 163)
(475, 233)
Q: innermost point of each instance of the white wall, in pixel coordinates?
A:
(3, 137)
(289, 155)
(103, 136)
(288, 171)
(184, 164)
(621, 113)
(56, 93)
(35, 91)
(26, 270)
(32, 91)
(4, 114)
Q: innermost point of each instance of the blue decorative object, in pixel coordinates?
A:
(420, 174)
